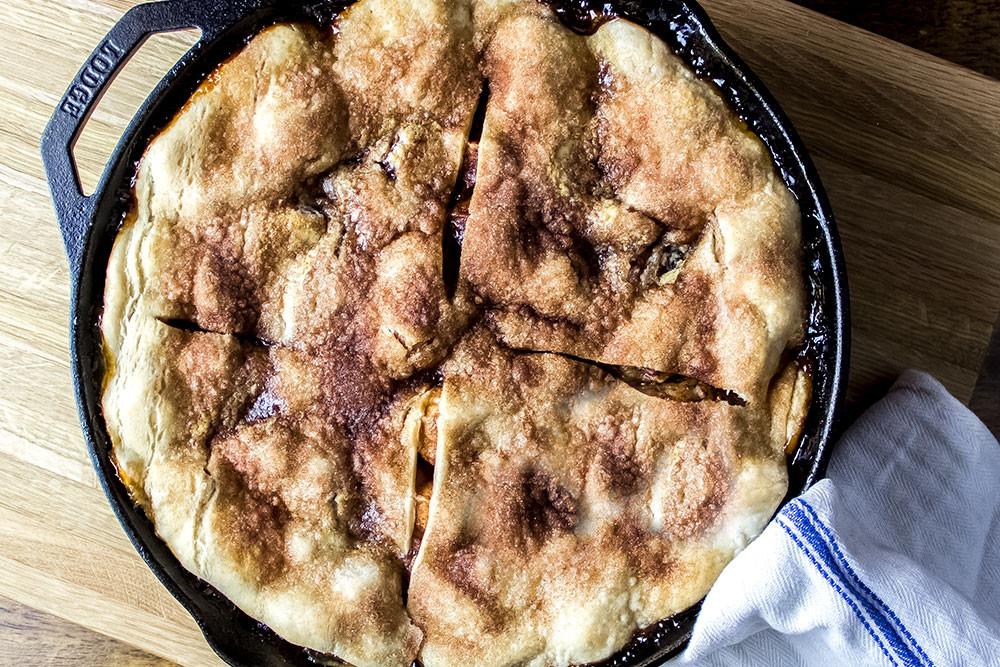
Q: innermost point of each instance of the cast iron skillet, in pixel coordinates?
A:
(89, 225)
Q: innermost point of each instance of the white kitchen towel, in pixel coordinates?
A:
(892, 560)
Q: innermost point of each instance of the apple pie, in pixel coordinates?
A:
(447, 333)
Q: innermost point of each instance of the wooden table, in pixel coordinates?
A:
(908, 147)
(966, 32)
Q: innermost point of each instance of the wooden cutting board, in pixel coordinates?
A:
(908, 147)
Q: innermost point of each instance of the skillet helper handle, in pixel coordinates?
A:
(74, 209)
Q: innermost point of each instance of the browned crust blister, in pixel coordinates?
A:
(600, 381)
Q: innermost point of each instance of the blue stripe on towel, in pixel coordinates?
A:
(850, 602)
(796, 515)
(832, 542)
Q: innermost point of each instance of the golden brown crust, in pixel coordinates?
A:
(298, 199)
(570, 510)
(299, 194)
(623, 214)
(286, 296)
(255, 486)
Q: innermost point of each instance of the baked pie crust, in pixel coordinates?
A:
(446, 331)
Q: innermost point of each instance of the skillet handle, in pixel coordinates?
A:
(73, 208)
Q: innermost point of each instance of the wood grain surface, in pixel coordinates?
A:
(32, 637)
(966, 32)
(907, 145)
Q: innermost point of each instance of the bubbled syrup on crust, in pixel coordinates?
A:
(582, 16)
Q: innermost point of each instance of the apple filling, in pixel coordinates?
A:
(424, 482)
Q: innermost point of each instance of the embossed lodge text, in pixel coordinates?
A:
(91, 78)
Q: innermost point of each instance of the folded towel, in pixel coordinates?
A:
(894, 559)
